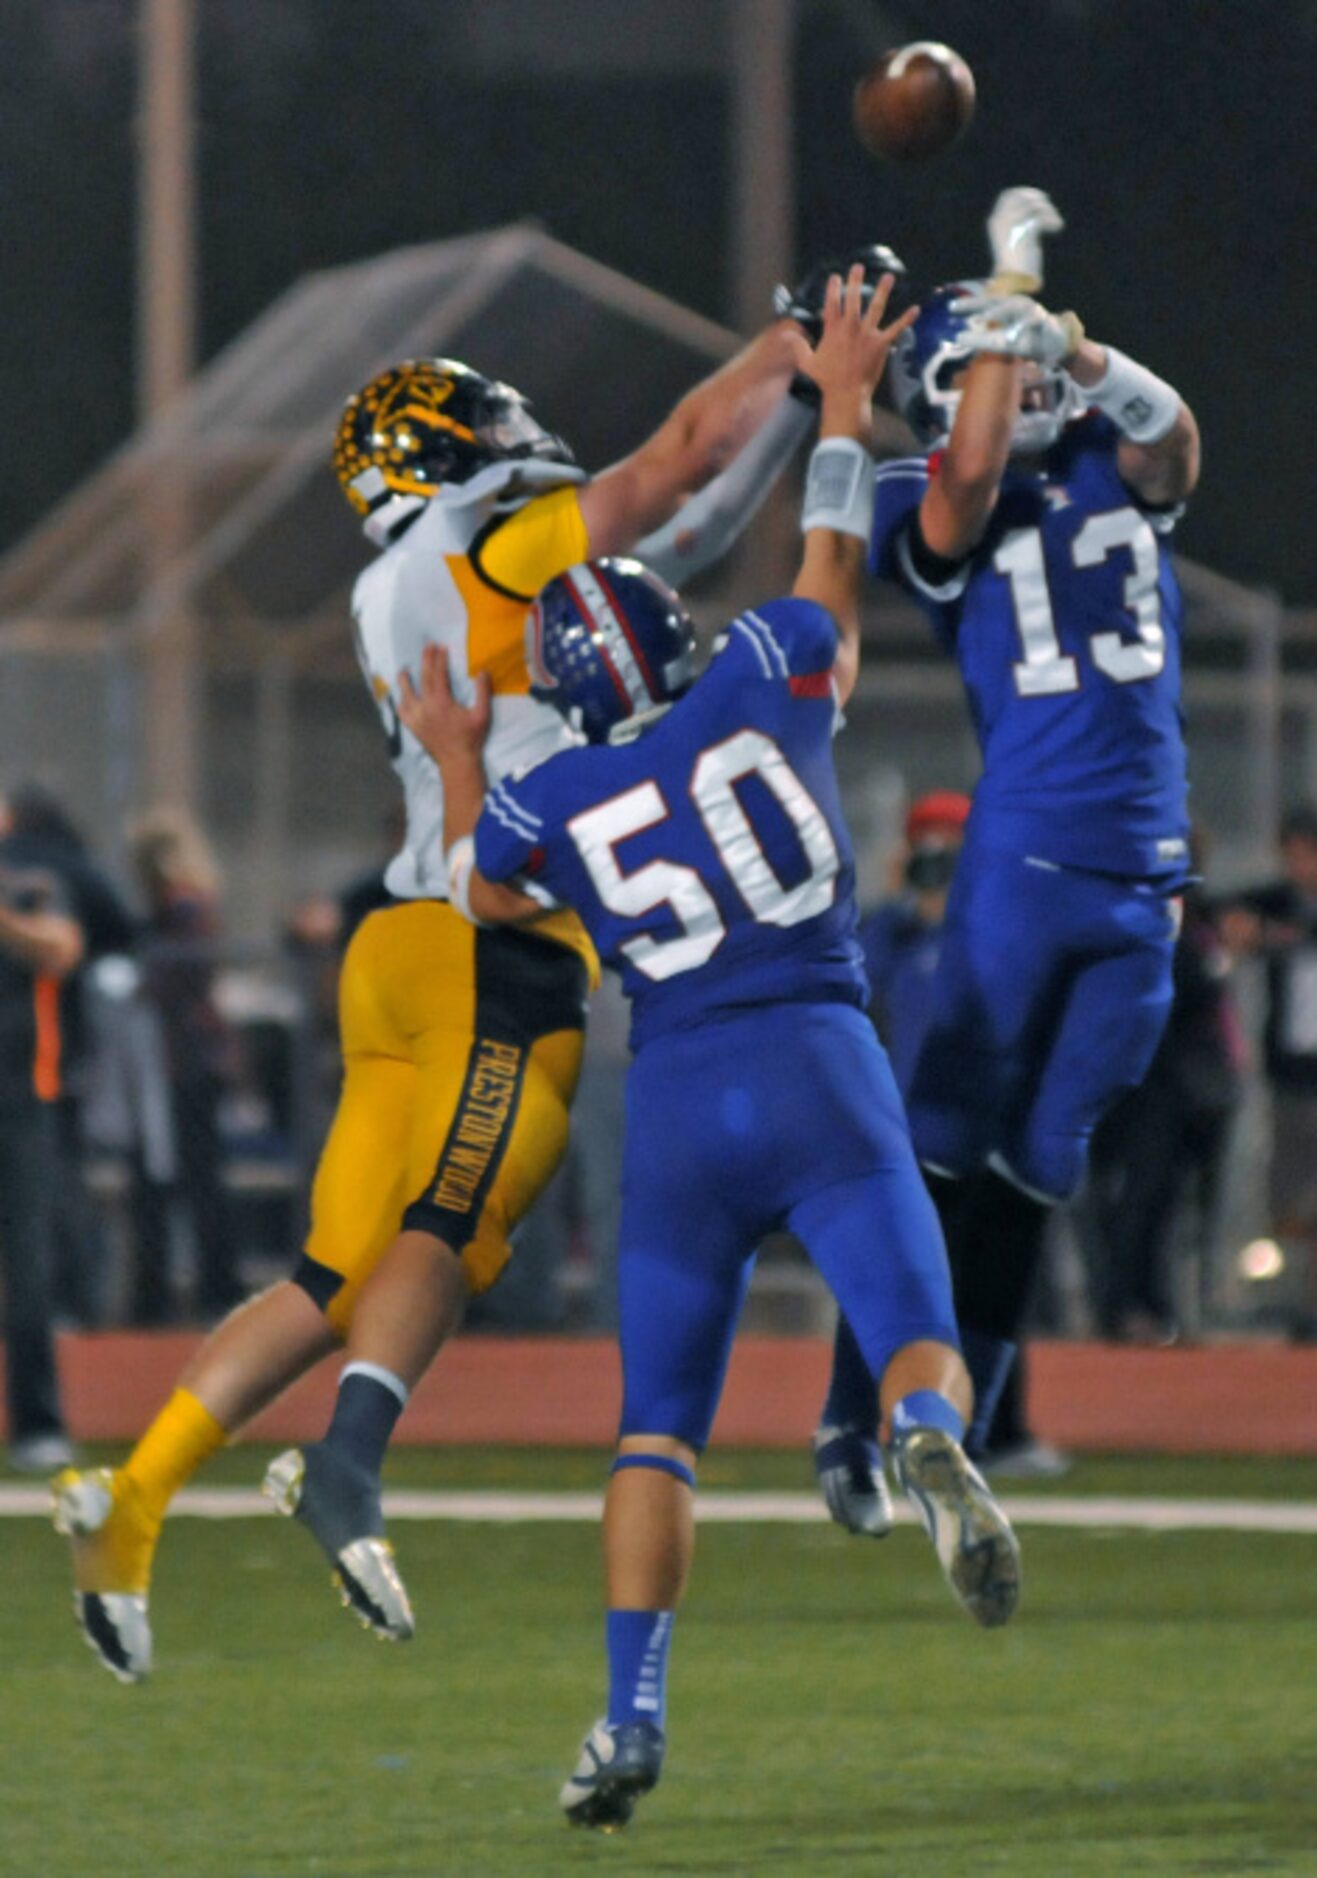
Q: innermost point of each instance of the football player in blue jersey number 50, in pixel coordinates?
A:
(703, 845)
(1036, 537)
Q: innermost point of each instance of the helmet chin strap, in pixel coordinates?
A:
(384, 522)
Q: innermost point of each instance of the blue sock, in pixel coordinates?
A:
(369, 1402)
(988, 1359)
(852, 1400)
(638, 1665)
(925, 1408)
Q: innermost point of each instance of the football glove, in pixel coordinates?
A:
(1016, 226)
(1016, 325)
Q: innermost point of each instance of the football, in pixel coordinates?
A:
(914, 102)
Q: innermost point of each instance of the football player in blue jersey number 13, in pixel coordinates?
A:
(699, 835)
(1035, 535)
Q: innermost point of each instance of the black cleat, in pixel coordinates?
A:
(617, 1764)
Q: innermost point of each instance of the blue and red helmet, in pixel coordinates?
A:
(930, 356)
(607, 641)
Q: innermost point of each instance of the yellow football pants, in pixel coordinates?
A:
(461, 1051)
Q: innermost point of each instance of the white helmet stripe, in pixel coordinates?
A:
(614, 643)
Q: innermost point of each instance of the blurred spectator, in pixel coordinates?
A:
(44, 835)
(902, 936)
(1167, 1141)
(41, 942)
(317, 935)
(180, 885)
(1279, 921)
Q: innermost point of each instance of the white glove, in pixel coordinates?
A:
(1016, 325)
(1019, 220)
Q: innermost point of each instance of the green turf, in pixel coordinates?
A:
(1151, 1710)
(546, 1469)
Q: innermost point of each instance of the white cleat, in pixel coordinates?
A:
(971, 1534)
(366, 1574)
(114, 1624)
(853, 1482)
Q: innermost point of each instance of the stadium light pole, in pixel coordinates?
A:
(762, 133)
(166, 356)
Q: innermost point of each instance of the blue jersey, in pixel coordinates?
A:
(1065, 621)
(707, 854)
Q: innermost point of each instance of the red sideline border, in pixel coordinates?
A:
(1258, 1398)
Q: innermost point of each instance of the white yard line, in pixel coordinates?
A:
(505, 1508)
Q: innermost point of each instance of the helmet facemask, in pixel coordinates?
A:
(926, 375)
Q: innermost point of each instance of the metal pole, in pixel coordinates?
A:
(1266, 698)
(760, 39)
(763, 154)
(166, 301)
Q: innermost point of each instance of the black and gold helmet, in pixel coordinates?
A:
(428, 423)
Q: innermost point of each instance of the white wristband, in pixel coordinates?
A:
(1141, 405)
(461, 859)
(839, 488)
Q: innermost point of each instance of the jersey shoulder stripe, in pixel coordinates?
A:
(514, 816)
(741, 626)
(769, 638)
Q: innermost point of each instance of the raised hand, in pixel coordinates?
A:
(854, 345)
(804, 302)
(1015, 325)
(1016, 225)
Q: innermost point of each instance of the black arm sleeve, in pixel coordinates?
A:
(935, 569)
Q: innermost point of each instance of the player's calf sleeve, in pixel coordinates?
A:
(637, 1644)
(370, 1400)
(182, 1436)
(926, 1408)
(852, 1398)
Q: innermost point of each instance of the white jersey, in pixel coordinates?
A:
(463, 576)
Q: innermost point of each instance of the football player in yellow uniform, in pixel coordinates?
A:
(461, 1048)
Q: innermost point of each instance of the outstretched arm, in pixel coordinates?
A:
(700, 438)
(707, 524)
(1159, 454)
(454, 735)
(847, 365)
(960, 499)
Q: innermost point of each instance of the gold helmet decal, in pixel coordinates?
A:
(390, 426)
(426, 423)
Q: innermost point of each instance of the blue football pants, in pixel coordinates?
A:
(784, 1118)
(1052, 992)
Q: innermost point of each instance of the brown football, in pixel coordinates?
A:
(915, 102)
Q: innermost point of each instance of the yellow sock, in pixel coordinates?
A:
(182, 1436)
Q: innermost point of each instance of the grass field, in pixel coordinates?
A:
(1152, 1709)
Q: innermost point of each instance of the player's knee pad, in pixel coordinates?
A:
(660, 1463)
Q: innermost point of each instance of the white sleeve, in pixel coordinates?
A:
(703, 528)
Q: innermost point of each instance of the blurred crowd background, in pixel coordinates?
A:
(200, 1072)
(223, 217)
